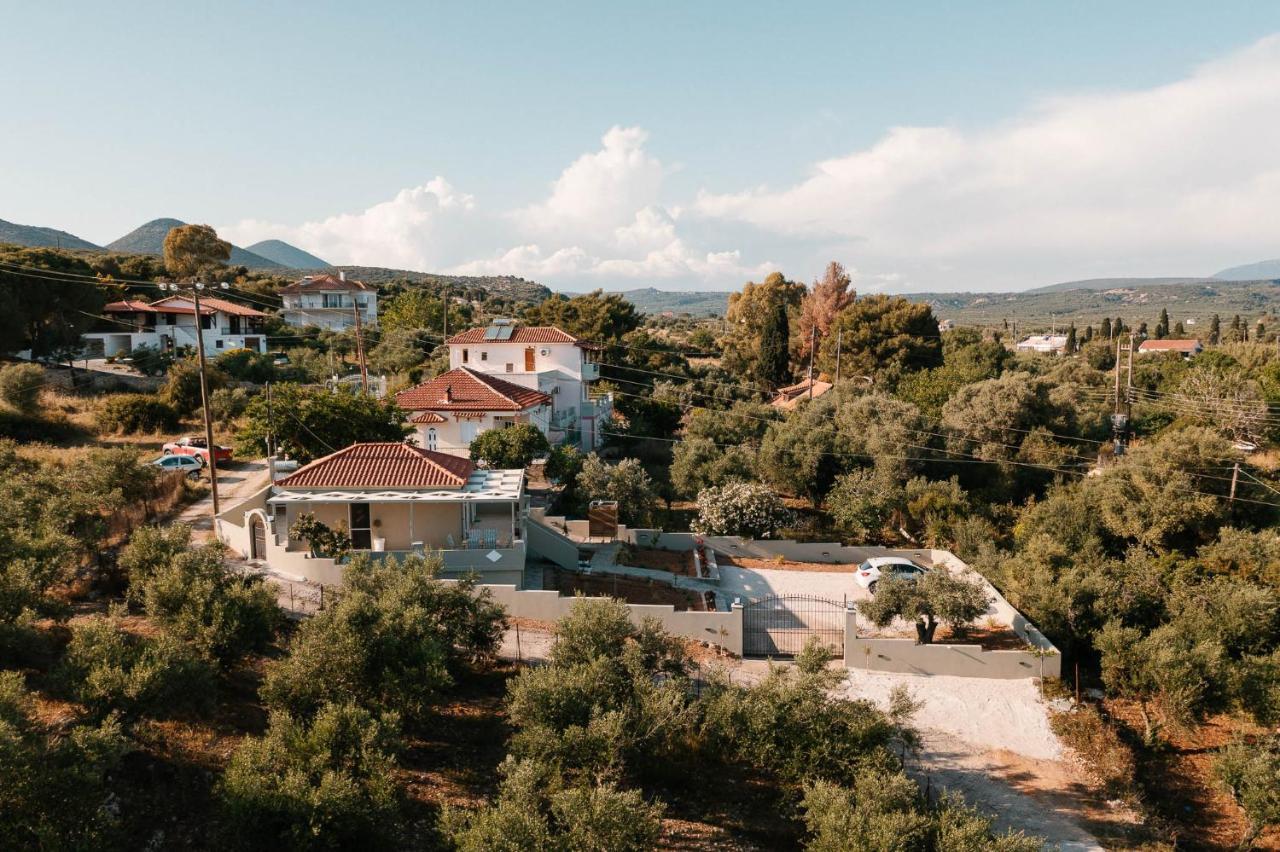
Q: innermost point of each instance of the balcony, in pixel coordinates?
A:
(590, 372)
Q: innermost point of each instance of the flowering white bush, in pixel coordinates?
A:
(747, 509)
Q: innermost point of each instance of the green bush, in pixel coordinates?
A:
(132, 413)
(229, 404)
(150, 549)
(112, 670)
(246, 365)
(182, 388)
(1107, 756)
(53, 788)
(20, 386)
(512, 447)
(221, 614)
(327, 784)
(395, 637)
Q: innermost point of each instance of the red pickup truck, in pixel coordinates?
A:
(190, 445)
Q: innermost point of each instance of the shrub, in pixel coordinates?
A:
(246, 365)
(515, 446)
(1098, 744)
(150, 549)
(110, 669)
(1250, 772)
(328, 783)
(535, 810)
(54, 786)
(182, 389)
(150, 360)
(626, 482)
(320, 537)
(395, 637)
(20, 386)
(131, 413)
(747, 509)
(223, 615)
(229, 404)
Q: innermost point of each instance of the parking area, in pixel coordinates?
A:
(751, 583)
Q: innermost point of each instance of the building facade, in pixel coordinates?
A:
(329, 302)
(449, 411)
(170, 323)
(393, 500)
(545, 359)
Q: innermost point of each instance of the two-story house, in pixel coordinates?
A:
(506, 374)
(170, 323)
(329, 301)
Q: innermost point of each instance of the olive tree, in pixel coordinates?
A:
(936, 598)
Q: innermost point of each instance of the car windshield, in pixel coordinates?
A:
(865, 566)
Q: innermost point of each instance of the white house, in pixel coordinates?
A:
(1043, 343)
(450, 410)
(546, 359)
(170, 323)
(392, 499)
(329, 301)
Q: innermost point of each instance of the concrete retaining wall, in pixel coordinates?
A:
(719, 628)
(549, 544)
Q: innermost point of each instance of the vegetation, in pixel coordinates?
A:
(306, 423)
(513, 447)
(20, 386)
(936, 598)
(740, 508)
(131, 413)
(627, 482)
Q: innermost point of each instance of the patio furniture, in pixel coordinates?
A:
(473, 538)
(490, 539)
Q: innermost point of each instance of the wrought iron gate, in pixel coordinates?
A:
(780, 625)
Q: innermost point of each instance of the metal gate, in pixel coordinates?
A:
(780, 625)
(258, 538)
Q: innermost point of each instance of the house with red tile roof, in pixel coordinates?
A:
(546, 359)
(1185, 348)
(170, 323)
(450, 410)
(392, 499)
(328, 301)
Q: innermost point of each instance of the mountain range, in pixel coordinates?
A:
(37, 237)
(148, 238)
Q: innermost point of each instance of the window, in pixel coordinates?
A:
(431, 439)
(511, 368)
(484, 356)
(361, 537)
(465, 356)
(218, 343)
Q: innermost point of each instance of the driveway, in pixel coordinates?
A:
(750, 583)
(235, 484)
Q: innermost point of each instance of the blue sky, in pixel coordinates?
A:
(678, 145)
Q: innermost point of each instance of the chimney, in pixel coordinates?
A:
(342, 275)
(448, 393)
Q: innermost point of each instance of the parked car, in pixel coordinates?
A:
(190, 445)
(896, 567)
(191, 465)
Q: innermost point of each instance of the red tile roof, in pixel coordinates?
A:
(323, 282)
(522, 334)
(427, 417)
(383, 465)
(128, 307)
(208, 305)
(1169, 345)
(465, 389)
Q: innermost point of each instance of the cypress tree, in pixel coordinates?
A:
(1105, 331)
(774, 365)
(1072, 344)
(1162, 327)
(1215, 329)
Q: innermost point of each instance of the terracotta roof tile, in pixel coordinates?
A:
(522, 334)
(382, 465)
(1169, 345)
(465, 389)
(208, 304)
(427, 417)
(128, 306)
(323, 282)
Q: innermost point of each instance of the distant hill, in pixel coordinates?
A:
(1251, 271)
(38, 237)
(1115, 283)
(1195, 299)
(149, 239)
(278, 251)
(503, 286)
(649, 300)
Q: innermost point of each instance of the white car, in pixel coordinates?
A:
(895, 567)
(190, 465)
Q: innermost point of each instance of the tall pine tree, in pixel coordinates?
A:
(773, 368)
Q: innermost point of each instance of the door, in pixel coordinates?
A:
(467, 431)
(361, 535)
(528, 360)
(432, 439)
(258, 538)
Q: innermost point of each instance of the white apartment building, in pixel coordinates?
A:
(329, 301)
(170, 323)
(543, 359)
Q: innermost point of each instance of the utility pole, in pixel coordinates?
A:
(271, 424)
(210, 448)
(364, 371)
(839, 340)
(1128, 393)
(813, 337)
(1235, 476)
(444, 312)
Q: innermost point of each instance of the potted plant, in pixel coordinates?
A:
(379, 542)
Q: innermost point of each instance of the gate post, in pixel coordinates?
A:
(734, 641)
(850, 633)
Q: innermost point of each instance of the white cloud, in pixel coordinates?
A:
(1178, 179)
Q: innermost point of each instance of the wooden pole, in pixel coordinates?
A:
(813, 336)
(364, 371)
(1235, 476)
(204, 401)
(839, 340)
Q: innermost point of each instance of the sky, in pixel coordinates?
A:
(683, 146)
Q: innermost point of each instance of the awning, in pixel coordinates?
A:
(483, 486)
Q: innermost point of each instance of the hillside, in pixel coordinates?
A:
(650, 300)
(1183, 301)
(1114, 283)
(38, 237)
(278, 251)
(149, 239)
(502, 286)
(1251, 271)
